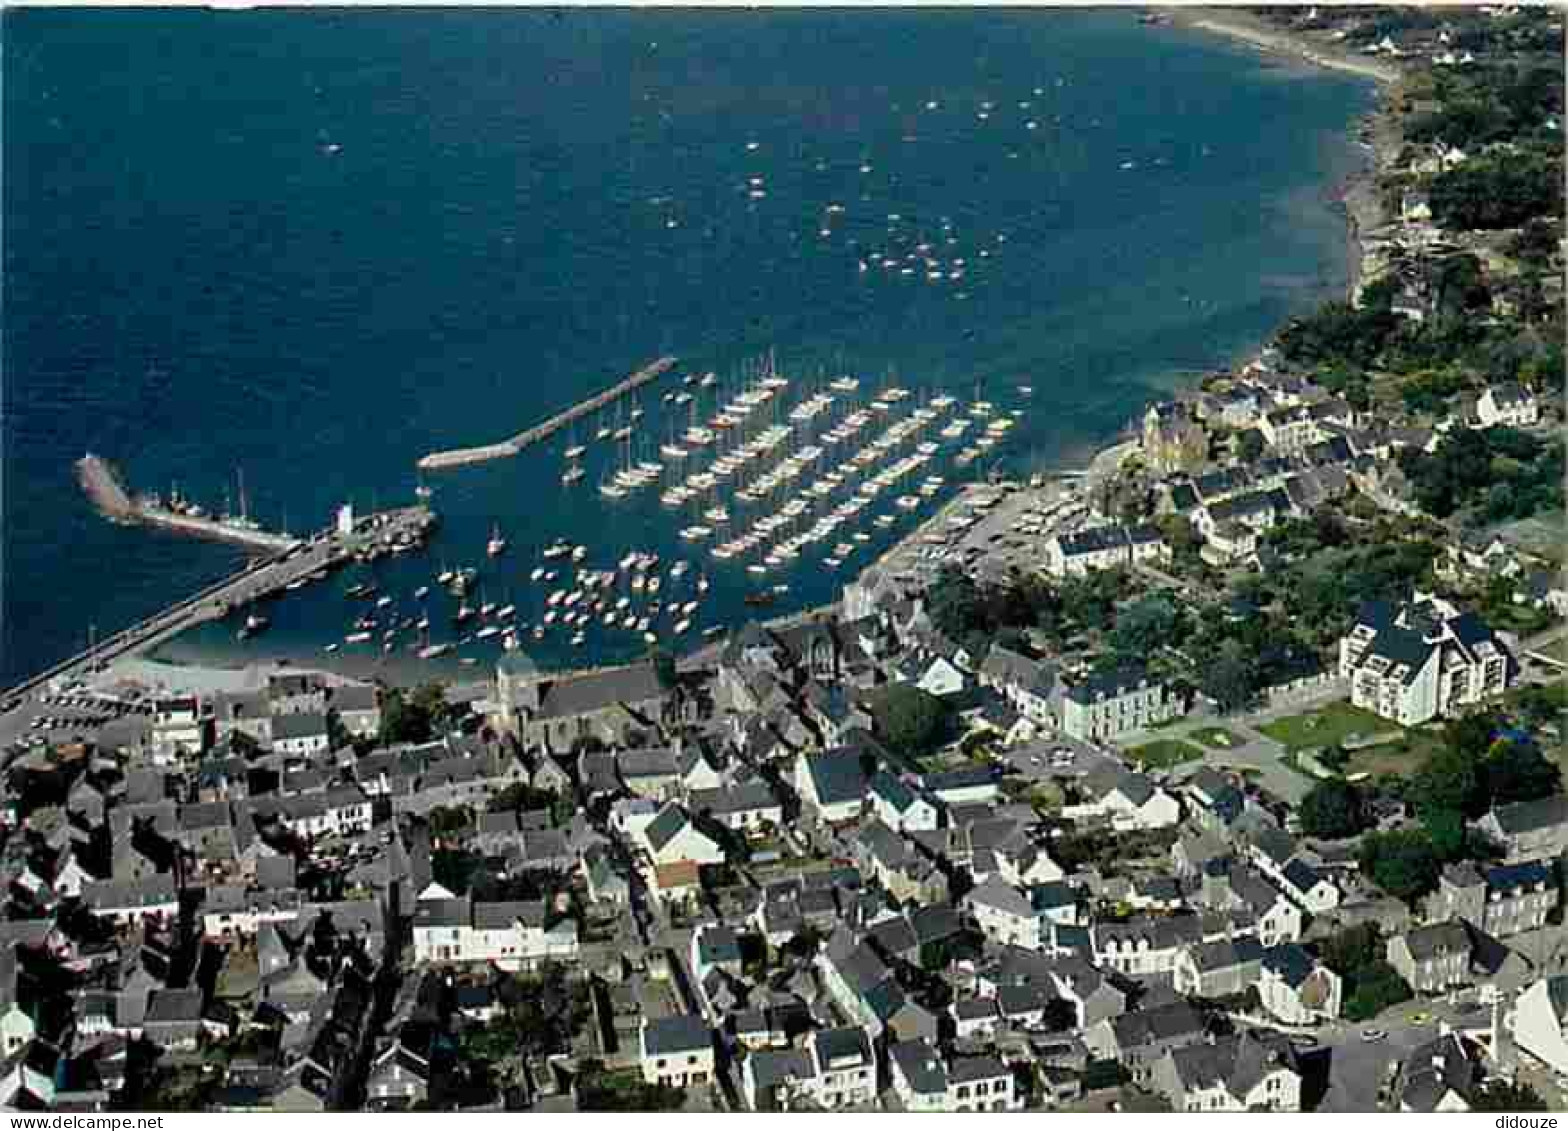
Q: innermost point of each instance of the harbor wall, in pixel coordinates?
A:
(458, 457)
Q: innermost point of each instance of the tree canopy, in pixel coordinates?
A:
(1405, 863)
(913, 721)
(1332, 809)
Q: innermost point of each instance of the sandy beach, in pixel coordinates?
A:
(1243, 26)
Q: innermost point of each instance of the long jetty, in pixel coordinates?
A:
(458, 457)
(105, 488)
(261, 578)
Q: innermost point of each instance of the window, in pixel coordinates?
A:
(660, 1063)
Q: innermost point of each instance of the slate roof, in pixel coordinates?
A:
(920, 1066)
(681, 1033)
(1290, 962)
(665, 827)
(772, 1067)
(1532, 816)
(596, 691)
(305, 724)
(1514, 877)
(847, 1042)
(1111, 684)
(1151, 1026)
(746, 798)
(1239, 1063)
(1225, 954)
(837, 776)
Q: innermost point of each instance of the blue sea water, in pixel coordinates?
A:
(314, 245)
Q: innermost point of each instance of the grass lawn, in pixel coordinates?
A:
(1215, 738)
(1165, 752)
(1403, 757)
(1326, 726)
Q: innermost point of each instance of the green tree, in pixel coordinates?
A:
(1518, 771)
(1332, 809)
(1376, 987)
(1145, 626)
(413, 716)
(1403, 863)
(1446, 827)
(1249, 445)
(913, 721)
(1448, 782)
(1503, 1095)
(1232, 680)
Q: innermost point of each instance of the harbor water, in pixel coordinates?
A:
(313, 246)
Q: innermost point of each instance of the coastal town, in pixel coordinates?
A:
(1227, 775)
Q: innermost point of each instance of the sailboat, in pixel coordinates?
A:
(574, 450)
(497, 544)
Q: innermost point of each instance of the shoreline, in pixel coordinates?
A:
(1242, 26)
(1357, 194)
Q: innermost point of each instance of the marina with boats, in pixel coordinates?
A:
(749, 477)
(737, 481)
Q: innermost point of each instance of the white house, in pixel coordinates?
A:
(1509, 404)
(671, 838)
(1297, 989)
(1128, 801)
(1107, 705)
(942, 677)
(1021, 918)
(846, 1067)
(831, 785)
(900, 807)
(676, 1051)
(924, 1083)
(338, 812)
(1104, 547)
(1420, 661)
(1240, 1073)
(1539, 1022)
(513, 935)
(301, 735)
(1026, 684)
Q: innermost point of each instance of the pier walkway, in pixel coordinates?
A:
(458, 457)
(262, 578)
(108, 493)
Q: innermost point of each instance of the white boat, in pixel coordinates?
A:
(330, 648)
(576, 451)
(487, 632)
(572, 475)
(422, 592)
(536, 574)
(356, 638)
(497, 545)
(383, 602)
(434, 650)
(681, 626)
